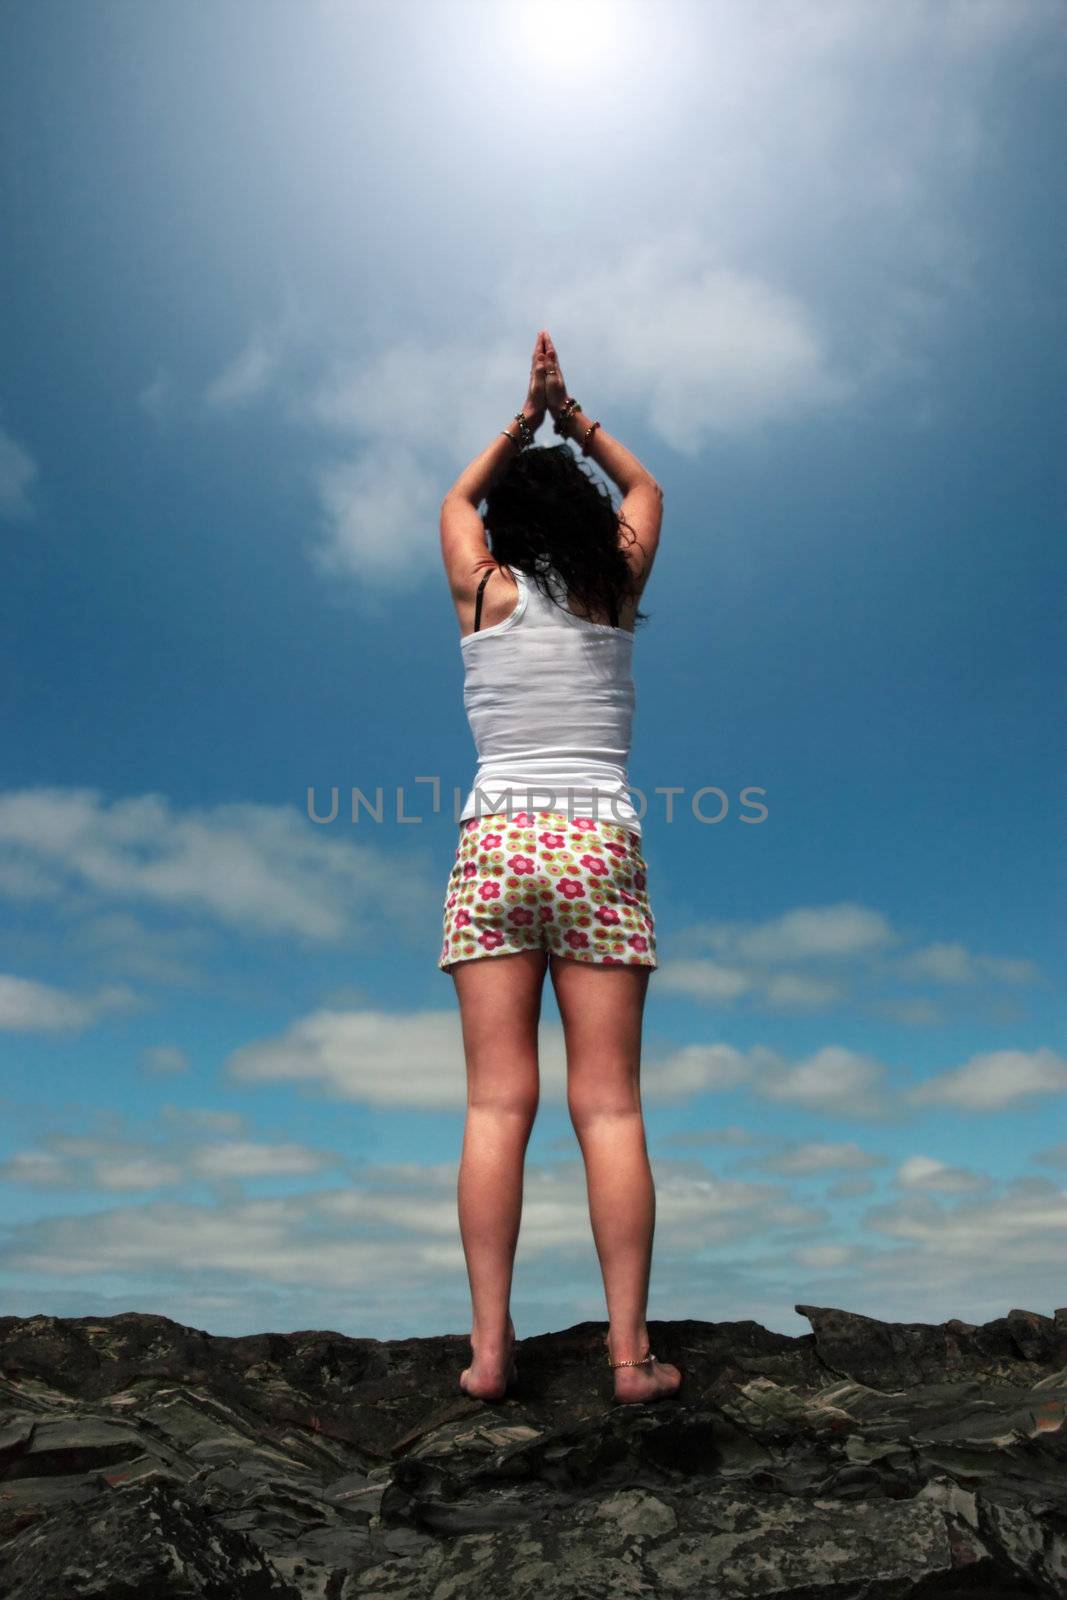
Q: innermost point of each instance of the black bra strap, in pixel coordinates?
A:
(478, 602)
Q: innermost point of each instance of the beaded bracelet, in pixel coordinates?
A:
(563, 425)
(525, 432)
(563, 420)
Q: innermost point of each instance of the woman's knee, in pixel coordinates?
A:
(589, 1103)
(516, 1097)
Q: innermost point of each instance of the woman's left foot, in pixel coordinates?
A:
(487, 1377)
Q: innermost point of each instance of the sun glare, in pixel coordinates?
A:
(563, 39)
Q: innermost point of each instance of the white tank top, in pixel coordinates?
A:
(550, 701)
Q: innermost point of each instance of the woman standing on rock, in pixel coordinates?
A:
(548, 872)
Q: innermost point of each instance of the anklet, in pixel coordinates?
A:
(642, 1363)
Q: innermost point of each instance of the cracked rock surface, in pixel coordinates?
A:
(866, 1460)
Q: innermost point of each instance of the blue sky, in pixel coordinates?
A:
(271, 276)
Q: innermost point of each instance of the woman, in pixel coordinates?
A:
(546, 633)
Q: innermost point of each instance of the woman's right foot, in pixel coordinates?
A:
(653, 1380)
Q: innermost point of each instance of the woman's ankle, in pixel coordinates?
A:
(493, 1337)
(628, 1343)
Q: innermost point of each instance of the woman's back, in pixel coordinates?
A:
(550, 698)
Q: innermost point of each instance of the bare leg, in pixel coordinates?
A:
(602, 1009)
(500, 1007)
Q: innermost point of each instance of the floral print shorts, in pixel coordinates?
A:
(537, 880)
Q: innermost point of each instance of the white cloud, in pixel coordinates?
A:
(248, 374)
(699, 347)
(841, 931)
(826, 236)
(155, 396)
(380, 503)
(730, 1134)
(27, 1006)
(928, 1173)
(416, 1059)
(247, 1159)
(42, 1169)
(130, 1170)
(124, 942)
(103, 1164)
(165, 1058)
(817, 1156)
(833, 1080)
(697, 1069)
(399, 392)
(750, 951)
(800, 991)
(18, 470)
(383, 1254)
(396, 1229)
(945, 963)
(379, 517)
(749, 957)
(825, 1257)
(1026, 1221)
(950, 962)
(704, 980)
(702, 347)
(263, 869)
(991, 1081)
(26, 880)
(262, 359)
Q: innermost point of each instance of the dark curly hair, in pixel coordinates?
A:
(549, 513)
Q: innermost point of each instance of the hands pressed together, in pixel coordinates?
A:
(547, 388)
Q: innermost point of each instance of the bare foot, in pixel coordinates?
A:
(654, 1380)
(488, 1375)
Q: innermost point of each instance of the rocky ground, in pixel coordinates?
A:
(142, 1459)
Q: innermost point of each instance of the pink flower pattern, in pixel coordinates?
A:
(576, 887)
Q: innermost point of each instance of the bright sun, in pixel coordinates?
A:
(562, 38)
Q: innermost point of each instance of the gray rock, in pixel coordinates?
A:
(149, 1540)
(140, 1458)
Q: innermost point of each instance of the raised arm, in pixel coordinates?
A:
(642, 497)
(475, 481)
(464, 547)
(620, 464)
